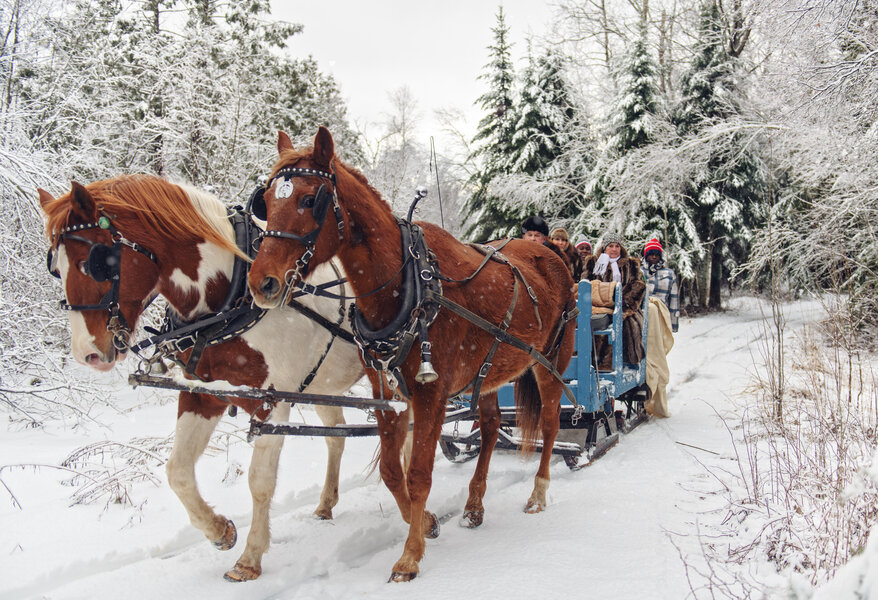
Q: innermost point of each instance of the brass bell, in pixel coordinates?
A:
(426, 374)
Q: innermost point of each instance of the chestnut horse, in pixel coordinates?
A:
(178, 242)
(312, 185)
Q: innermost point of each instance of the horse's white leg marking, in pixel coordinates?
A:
(263, 480)
(537, 502)
(191, 438)
(330, 415)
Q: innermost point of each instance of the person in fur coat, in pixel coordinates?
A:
(611, 262)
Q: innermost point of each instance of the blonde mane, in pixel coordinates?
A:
(165, 209)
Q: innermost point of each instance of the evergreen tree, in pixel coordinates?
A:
(544, 115)
(485, 216)
(631, 125)
(724, 194)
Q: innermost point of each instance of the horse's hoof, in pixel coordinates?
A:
(398, 577)
(432, 532)
(472, 518)
(240, 573)
(229, 537)
(324, 514)
(533, 507)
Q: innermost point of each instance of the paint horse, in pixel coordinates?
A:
(309, 188)
(119, 242)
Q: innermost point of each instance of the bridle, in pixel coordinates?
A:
(319, 205)
(104, 263)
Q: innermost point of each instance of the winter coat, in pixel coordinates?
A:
(662, 284)
(633, 288)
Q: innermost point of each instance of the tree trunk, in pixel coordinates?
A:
(716, 275)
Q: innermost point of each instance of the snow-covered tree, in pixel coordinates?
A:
(484, 213)
(725, 192)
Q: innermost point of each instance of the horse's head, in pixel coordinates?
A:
(304, 224)
(107, 279)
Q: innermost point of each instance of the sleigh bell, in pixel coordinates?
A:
(426, 373)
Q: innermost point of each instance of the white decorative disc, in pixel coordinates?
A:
(285, 189)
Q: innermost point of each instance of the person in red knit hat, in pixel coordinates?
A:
(660, 279)
(664, 310)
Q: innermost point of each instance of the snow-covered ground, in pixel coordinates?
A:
(630, 526)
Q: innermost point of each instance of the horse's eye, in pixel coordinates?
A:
(82, 268)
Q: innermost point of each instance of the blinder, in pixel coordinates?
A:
(103, 262)
(318, 203)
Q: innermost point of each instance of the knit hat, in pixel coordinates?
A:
(582, 241)
(611, 237)
(652, 246)
(535, 223)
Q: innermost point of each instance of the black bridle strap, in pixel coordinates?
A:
(315, 316)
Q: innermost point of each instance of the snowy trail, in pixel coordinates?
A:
(613, 530)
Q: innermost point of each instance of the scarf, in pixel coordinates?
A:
(653, 269)
(600, 267)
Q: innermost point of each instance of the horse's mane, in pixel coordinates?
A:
(165, 209)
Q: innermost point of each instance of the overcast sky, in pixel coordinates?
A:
(438, 49)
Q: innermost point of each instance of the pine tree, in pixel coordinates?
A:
(484, 215)
(724, 194)
(631, 126)
(544, 115)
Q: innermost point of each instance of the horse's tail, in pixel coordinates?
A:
(528, 403)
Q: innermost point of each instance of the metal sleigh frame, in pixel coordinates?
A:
(595, 413)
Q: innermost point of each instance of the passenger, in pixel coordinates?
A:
(660, 280)
(561, 240)
(611, 262)
(664, 310)
(583, 248)
(535, 229)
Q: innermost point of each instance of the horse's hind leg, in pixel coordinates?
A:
(263, 479)
(192, 434)
(330, 415)
(489, 423)
(550, 394)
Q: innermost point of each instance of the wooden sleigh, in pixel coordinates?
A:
(608, 401)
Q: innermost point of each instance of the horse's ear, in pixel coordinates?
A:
(82, 201)
(283, 142)
(324, 147)
(45, 198)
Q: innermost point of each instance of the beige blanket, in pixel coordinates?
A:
(659, 341)
(602, 293)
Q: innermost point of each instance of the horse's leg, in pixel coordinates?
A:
(489, 423)
(192, 434)
(429, 412)
(330, 415)
(550, 395)
(263, 479)
(392, 431)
